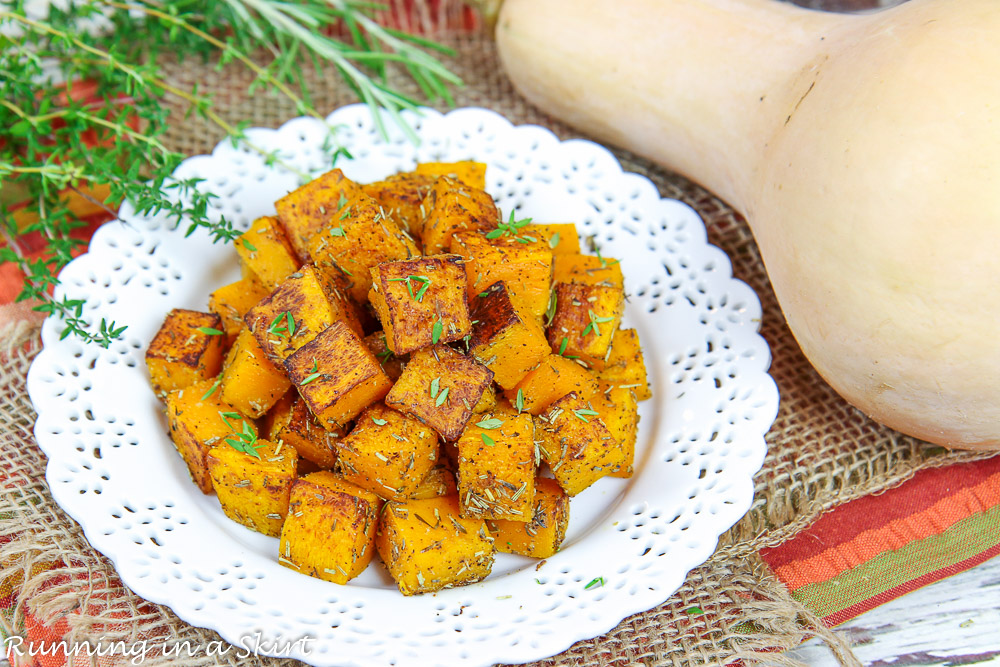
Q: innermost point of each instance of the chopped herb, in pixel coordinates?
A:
(342, 201)
(249, 246)
(245, 440)
(417, 296)
(211, 390)
(487, 440)
(338, 231)
(437, 330)
(379, 422)
(519, 401)
(484, 294)
(583, 414)
(311, 378)
(435, 385)
(281, 330)
(562, 346)
(511, 228)
(385, 354)
(554, 240)
(550, 310)
(490, 423)
(694, 611)
(594, 322)
(596, 582)
(210, 331)
(442, 397)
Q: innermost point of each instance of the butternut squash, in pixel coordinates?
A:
(862, 149)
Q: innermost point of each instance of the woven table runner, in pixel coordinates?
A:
(822, 453)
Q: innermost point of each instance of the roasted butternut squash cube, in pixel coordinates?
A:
(194, 416)
(266, 251)
(330, 529)
(452, 206)
(251, 382)
(297, 311)
(440, 387)
(439, 481)
(487, 402)
(576, 444)
(231, 302)
(585, 320)
(588, 270)
(523, 264)
(624, 366)
(427, 545)
(188, 348)
(504, 340)
(391, 363)
(496, 467)
(421, 301)
(402, 197)
(337, 375)
(291, 422)
(362, 237)
(550, 380)
(562, 237)
(306, 211)
(388, 453)
(468, 172)
(543, 534)
(619, 410)
(254, 490)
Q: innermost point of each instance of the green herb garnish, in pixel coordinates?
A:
(487, 440)
(442, 397)
(594, 322)
(596, 582)
(437, 330)
(491, 423)
(211, 332)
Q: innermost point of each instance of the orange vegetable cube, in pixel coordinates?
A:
(337, 375)
(361, 237)
(468, 172)
(576, 444)
(619, 410)
(452, 206)
(251, 382)
(543, 534)
(402, 197)
(266, 251)
(496, 467)
(427, 545)
(525, 267)
(421, 301)
(231, 302)
(254, 490)
(388, 453)
(624, 366)
(306, 211)
(440, 387)
(440, 481)
(550, 380)
(188, 348)
(330, 529)
(588, 270)
(290, 422)
(585, 320)
(505, 341)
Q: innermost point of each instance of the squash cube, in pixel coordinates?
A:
(468, 172)
(440, 387)
(439, 481)
(290, 422)
(297, 311)
(231, 302)
(306, 211)
(543, 534)
(388, 453)
(391, 363)
(250, 382)
(619, 410)
(487, 402)
(552, 379)
(337, 375)
(194, 416)
(525, 266)
(585, 320)
(266, 252)
(253, 490)
(330, 529)
(188, 348)
(362, 237)
(402, 197)
(421, 301)
(451, 207)
(588, 270)
(562, 237)
(507, 342)
(576, 444)
(427, 545)
(496, 467)
(624, 366)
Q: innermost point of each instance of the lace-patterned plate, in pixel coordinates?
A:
(113, 469)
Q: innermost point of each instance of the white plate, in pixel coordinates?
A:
(113, 469)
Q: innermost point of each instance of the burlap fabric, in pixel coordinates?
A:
(822, 452)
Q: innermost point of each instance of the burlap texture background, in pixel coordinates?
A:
(822, 452)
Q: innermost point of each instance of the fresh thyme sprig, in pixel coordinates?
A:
(67, 150)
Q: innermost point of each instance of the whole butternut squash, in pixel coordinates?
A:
(864, 150)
